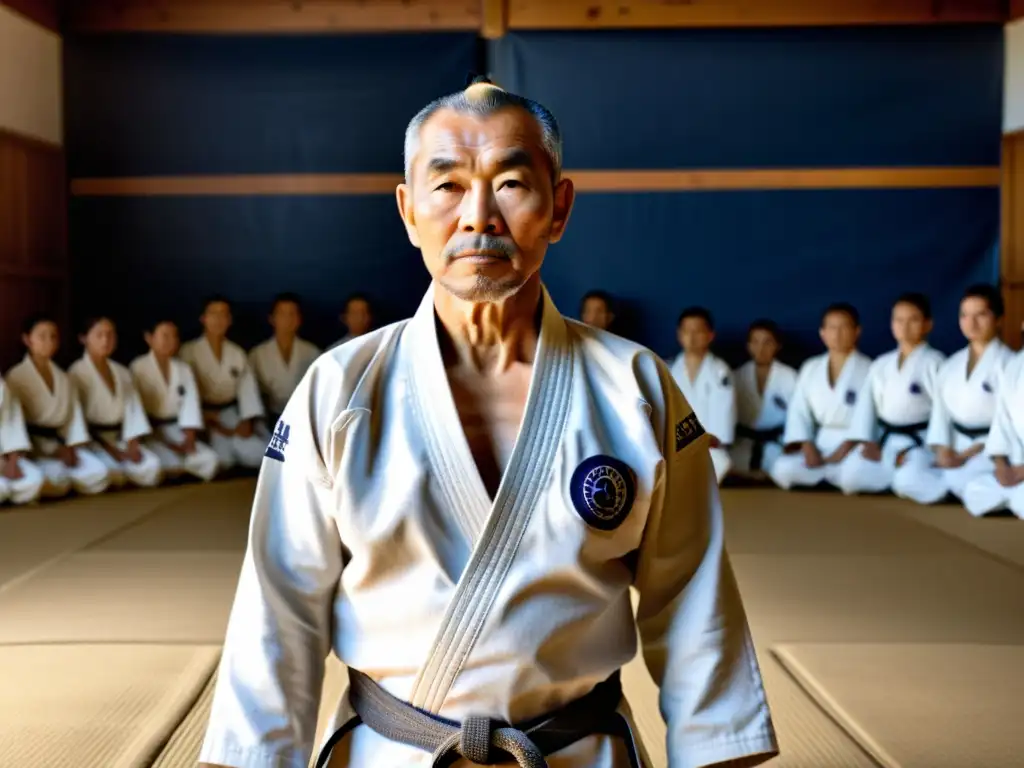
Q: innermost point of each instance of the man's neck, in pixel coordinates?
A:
(491, 337)
(214, 341)
(98, 360)
(694, 358)
(906, 348)
(285, 340)
(978, 347)
(839, 357)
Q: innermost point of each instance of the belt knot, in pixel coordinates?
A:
(477, 739)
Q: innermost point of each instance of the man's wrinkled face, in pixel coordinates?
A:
(480, 203)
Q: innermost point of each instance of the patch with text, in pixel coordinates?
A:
(278, 442)
(688, 430)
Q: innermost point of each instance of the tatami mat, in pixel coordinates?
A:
(93, 706)
(919, 706)
(124, 597)
(1002, 537)
(963, 598)
(31, 537)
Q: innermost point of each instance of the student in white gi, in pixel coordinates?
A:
(1004, 488)
(357, 317)
(53, 415)
(281, 361)
(230, 396)
(964, 403)
(891, 419)
(598, 309)
(706, 382)
(458, 505)
(21, 481)
(170, 397)
(113, 411)
(764, 389)
(819, 416)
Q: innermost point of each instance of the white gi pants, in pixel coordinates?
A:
(928, 484)
(88, 477)
(791, 470)
(861, 475)
(202, 462)
(742, 453)
(984, 495)
(234, 450)
(147, 473)
(722, 461)
(25, 489)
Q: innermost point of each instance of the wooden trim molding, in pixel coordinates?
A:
(45, 13)
(584, 180)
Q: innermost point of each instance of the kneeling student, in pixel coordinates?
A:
(891, 419)
(818, 418)
(964, 403)
(21, 481)
(764, 389)
(706, 382)
(113, 411)
(1004, 487)
(169, 395)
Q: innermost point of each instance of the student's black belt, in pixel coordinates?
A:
(219, 406)
(907, 430)
(157, 422)
(44, 433)
(97, 428)
(761, 438)
(974, 433)
(482, 740)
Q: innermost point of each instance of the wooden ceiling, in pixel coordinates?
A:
(493, 17)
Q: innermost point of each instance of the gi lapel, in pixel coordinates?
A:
(493, 529)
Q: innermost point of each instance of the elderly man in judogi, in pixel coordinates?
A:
(459, 504)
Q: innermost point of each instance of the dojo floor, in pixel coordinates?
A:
(888, 634)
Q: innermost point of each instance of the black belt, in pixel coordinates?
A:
(482, 740)
(761, 438)
(974, 433)
(95, 429)
(907, 430)
(155, 422)
(45, 433)
(219, 406)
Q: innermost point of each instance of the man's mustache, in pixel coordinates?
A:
(479, 244)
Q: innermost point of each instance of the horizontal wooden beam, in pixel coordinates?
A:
(585, 181)
(1016, 9)
(45, 13)
(19, 271)
(273, 16)
(654, 14)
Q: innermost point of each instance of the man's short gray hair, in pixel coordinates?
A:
(483, 103)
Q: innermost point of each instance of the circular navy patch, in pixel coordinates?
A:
(603, 491)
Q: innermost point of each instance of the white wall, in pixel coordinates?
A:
(30, 78)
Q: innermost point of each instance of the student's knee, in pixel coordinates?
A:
(204, 463)
(786, 469)
(1016, 504)
(29, 486)
(92, 475)
(984, 495)
(249, 451)
(147, 472)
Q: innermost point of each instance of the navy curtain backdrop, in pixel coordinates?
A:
(147, 105)
(772, 98)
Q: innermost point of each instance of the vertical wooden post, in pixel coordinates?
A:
(493, 18)
(1012, 237)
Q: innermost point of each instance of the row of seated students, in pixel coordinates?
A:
(912, 422)
(195, 409)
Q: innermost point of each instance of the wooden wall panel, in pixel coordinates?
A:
(590, 14)
(1016, 9)
(46, 13)
(1012, 239)
(281, 16)
(34, 272)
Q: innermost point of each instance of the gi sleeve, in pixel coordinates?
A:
(693, 628)
(940, 423)
(250, 404)
(864, 419)
(75, 431)
(190, 412)
(13, 435)
(800, 425)
(135, 423)
(1002, 437)
(267, 698)
(722, 407)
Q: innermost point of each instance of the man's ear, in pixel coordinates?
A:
(403, 196)
(565, 196)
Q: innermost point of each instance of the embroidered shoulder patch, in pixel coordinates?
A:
(987, 387)
(278, 442)
(603, 490)
(181, 390)
(725, 381)
(851, 397)
(688, 430)
(915, 388)
(780, 402)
